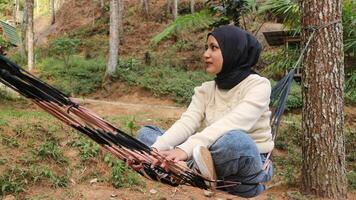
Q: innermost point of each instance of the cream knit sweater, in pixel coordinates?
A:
(244, 107)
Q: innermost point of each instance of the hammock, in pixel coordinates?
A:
(120, 144)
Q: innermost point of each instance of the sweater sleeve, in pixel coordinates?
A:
(188, 123)
(242, 117)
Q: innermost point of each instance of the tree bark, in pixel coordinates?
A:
(102, 4)
(192, 3)
(53, 12)
(14, 12)
(323, 169)
(29, 33)
(169, 2)
(175, 9)
(114, 38)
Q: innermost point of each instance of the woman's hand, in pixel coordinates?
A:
(176, 155)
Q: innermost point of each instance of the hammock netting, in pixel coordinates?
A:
(120, 144)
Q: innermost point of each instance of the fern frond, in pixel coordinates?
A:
(287, 9)
(198, 20)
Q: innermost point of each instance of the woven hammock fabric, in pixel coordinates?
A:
(120, 144)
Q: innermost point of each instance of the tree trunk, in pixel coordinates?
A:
(175, 9)
(102, 4)
(144, 6)
(14, 12)
(323, 170)
(121, 12)
(53, 12)
(192, 3)
(114, 38)
(169, 6)
(29, 33)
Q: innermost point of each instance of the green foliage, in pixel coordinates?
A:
(162, 80)
(294, 99)
(232, 10)
(193, 22)
(4, 45)
(350, 87)
(288, 139)
(121, 176)
(16, 57)
(64, 48)
(279, 61)
(87, 148)
(15, 179)
(50, 150)
(288, 10)
(350, 144)
(9, 141)
(349, 26)
(117, 174)
(5, 6)
(82, 77)
(351, 179)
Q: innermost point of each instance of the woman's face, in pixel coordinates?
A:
(212, 56)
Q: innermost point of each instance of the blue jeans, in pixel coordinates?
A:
(236, 158)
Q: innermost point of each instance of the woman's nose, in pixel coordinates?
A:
(206, 54)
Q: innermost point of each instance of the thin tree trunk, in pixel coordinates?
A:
(169, 6)
(114, 38)
(323, 169)
(53, 12)
(192, 3)
(121, 12)
(144, 7)
(102, 4)
(29, 33)
(14, 12)
(175, 9)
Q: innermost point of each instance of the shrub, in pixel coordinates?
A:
(162, 80)
(64, 48)
(82, 77)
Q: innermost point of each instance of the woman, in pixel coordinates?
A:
(235, 108)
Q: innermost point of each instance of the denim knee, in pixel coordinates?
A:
(148, 134)
(233, 145)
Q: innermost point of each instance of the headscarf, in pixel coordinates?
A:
(240, 51)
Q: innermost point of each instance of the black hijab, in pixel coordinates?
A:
(240, 51)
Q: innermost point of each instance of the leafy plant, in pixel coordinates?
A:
(163, 80)
(288, 10)
(121, 175)
(83, 76)
(350, 85)
(117, 174)
(87, 148)
(64, 48)
(195, 21)
(349, 26)
(50, 150)
(231, 10)
(4, 45)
